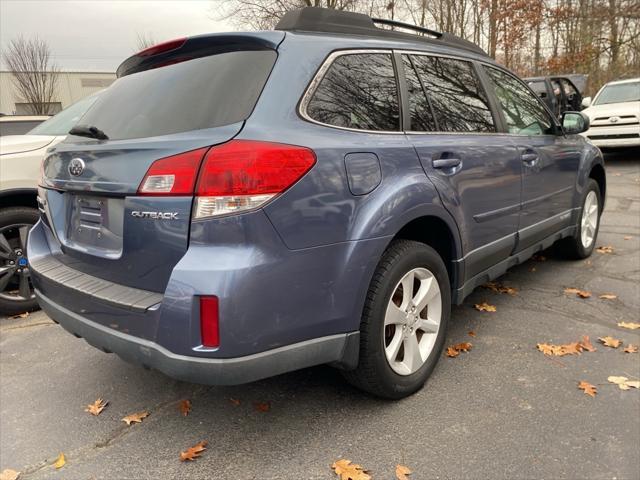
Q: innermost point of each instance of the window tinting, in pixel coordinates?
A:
(522, 110)
(358, 91)
(205, 92)
(421, 116)
(459, 102)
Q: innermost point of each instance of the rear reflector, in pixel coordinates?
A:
(209, 321)
(175, 175)
(243, 174)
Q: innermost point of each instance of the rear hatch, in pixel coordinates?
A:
(169, 105)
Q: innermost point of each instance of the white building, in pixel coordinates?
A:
(70, 87)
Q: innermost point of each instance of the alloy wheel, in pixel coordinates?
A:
(15, 281)
(412, 321)
(589, 221)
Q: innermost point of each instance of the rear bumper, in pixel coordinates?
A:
(210, 371)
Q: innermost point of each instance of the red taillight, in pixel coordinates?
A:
(175, 175)
(209, 321)
(162, 47)
(246, 167)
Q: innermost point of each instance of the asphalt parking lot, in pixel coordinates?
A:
(501, 411)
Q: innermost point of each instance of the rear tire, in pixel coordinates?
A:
(395, 322)
(16, 291)
(583, 241)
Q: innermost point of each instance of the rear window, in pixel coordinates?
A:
(358, 91)
(206, 92)
(17, 127)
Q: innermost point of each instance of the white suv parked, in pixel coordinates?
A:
(20, 158)
(615, 115)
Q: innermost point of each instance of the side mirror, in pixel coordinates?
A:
(586, 101)
(575, 122)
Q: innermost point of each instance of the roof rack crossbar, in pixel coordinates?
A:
(408, 26)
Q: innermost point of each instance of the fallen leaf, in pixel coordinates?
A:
(499, 288)
(185, 407)
(628, 237)
(235, 401)
(19, 315)
(578, 292)
(484, 307)
(60, 461)
(630, 349)
(262, 406)
(539, 258)
(608, 296)
(402, 472)
(587, 262)
(463, 347)
(589, 389)
(8, 474)
(96, 407)
(610, 341)
(605, 249)
(624, 383)
(471, 333)
(629, 325)
(194, 452)
(135, 417)
(575, 348)
(585, 343)
(350, 471)
(452, 352)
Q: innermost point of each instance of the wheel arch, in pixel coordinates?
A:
(19, 197)
(598, 174)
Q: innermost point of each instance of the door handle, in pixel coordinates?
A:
(446, 163)
(529, 159)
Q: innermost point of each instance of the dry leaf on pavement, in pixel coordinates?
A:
(235, 402)
(8, 474)
(628, 237)
(575, 348)
(135, 417)
(471, 333)
(350, 471)
(60, 461)
(589, 389)
(484, 307)
(585, 343)
(605, 249)
(610, 341)
(630, 349)
(194, 452)
(629, 325)
(578, 292)
(262, 406)
(19, 315)
(185, 407)
(402, 472)
(608, 296)
(499, 288)
(96, 407)
(624, 383)
(452, 352)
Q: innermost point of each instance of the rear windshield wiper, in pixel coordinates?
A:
(88, 131)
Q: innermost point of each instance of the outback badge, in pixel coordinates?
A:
(155, 215)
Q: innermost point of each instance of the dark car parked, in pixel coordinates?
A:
(240, 205)
(560, 93)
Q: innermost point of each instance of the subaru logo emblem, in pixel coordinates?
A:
(76, 167)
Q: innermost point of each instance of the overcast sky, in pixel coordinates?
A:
(96, 35)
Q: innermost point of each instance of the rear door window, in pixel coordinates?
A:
(358, 91)
(459, 102)
(422, 119)
(523, 111)
(202, 93)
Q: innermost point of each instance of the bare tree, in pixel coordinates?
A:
(34, 74)
(144, 40)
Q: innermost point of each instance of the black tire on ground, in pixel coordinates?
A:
(373, 373)
(16, 216)
(572, 247)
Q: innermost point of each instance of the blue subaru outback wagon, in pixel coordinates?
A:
(240, 205)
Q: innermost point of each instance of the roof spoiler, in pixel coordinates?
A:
(326, 20)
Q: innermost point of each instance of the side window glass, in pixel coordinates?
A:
(557, 90)
(458, 100)
(358, 91)
(522, 110)
(539, 87)
(421, 117)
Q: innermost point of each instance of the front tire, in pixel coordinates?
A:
(583, 241)
(404, 321)
(16, 291)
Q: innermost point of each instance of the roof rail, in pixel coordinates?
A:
(326, 20)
